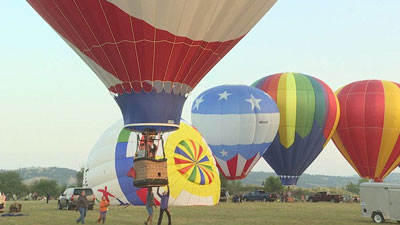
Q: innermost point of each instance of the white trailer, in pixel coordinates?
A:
(380, 201)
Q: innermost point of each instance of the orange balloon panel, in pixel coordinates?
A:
(369, 126)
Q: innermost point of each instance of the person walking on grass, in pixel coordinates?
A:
(82, 205)
(104, 203)
(150, 203)
(47, 198)
(164, 205)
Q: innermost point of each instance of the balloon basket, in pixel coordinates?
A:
(150, 172)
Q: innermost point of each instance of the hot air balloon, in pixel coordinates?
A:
(368, 131)
(151, 54)
(193, 176)
(239, 122)
(309, 115)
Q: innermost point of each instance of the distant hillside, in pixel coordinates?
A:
(310, 181)
(64, 176)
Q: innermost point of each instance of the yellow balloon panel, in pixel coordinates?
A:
(192, 172)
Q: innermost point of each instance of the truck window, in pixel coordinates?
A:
(79, 191)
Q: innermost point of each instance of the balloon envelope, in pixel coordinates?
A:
(192, 174)
(368, 131)
(309, 115)
(151, 54)
(239, 122)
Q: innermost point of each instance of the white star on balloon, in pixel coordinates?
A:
(197, 102)
(224, 153)
(224, 95)
(255, 102)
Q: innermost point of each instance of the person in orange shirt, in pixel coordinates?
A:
(103, 209)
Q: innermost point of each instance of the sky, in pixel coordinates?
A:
(53, 108)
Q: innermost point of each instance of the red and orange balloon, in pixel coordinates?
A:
(369, 126)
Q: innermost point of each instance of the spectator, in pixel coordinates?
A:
(82, 205)
(150, 203)
(2, 202)
(164, 206)
(227, 196)
(104, 203)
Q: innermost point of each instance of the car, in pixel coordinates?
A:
(70, 196)
(259, 195)
(324, 196)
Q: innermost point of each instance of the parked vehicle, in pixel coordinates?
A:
(324, 196)
(380, 201)
(70, 196)
(259, 195)
(224, 195)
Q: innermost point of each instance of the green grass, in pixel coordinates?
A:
(245, 213)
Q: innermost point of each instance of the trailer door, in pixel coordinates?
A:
(394, 198)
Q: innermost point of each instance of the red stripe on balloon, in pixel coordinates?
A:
(129, 48)
(185, 169)
(361, 123)
(194, 149)
(208, 175)
(247, 166)
(272, 86)
(232, 165)
(330, 109)
(374, 121)
(222, 171)
(393, 157)
(199, 153)
(182, 161)
(343, 129)
(356, 123)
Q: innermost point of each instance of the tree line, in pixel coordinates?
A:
(272, 184)
(11, 183)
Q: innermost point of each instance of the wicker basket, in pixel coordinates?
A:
(150, 172)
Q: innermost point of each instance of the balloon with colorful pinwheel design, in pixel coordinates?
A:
(192, 173)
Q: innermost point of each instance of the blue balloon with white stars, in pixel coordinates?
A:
(239, 123)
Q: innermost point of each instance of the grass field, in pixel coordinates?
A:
(276, 213)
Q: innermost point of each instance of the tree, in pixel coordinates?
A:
(272, 184)
(355, 188)
(224, 181)
(62, 188)
(11, 183)
(79, 177)
(234, 186)
(45, 186)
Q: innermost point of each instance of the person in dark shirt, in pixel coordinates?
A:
(164, 205)
(47, 198)
(82, 205)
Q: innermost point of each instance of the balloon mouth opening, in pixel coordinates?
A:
(288, 180)
(156, 127)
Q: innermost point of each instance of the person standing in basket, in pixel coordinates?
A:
(164, 205)
(82, 205)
